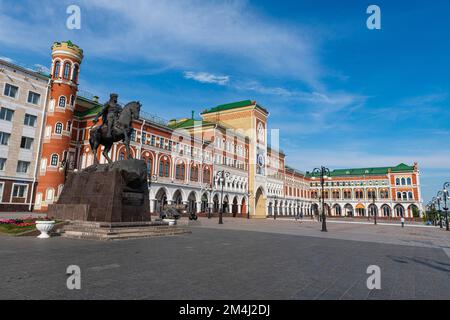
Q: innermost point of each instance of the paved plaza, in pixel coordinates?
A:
(241, 259)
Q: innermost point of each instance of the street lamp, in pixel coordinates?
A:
(446, 196)
(437, 200)
(249, 194)
(275, 209)
(374, 208)
(222, 176)
(324, 173)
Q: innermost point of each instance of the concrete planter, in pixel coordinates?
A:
(44, 227)
(171, 222)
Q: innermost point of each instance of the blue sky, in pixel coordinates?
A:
(341, 95)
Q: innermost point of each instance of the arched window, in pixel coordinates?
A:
(194, 173)
(62, 102)
(121, 156)
(403, 181)
(75, 73)
(66, 74)
(397, 181)
(164, 167)
(49, 194)
(206, 175)
(149, 167)
(54, 160)
(56, 69)
(405, 197)
(408, 181)
(58, 128)
(69, 126)
(399, 195)
(410, 195)
(180, 171)
(72, 100)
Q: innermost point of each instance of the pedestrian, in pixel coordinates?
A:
(402, 220)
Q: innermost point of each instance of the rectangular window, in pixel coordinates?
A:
(2, 164)
(23, 166)
(26, 143)
(152, 140)
(4, 138)
(161, 142)
(143, 137)
(10, 90)
(6, 114)
(30, 120)
(33, 97)
(20, 191)
(170, 145)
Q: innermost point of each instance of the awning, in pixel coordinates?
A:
(360, 206)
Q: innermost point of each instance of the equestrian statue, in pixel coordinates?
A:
(116, 126)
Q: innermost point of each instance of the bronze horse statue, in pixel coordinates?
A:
(121, 132)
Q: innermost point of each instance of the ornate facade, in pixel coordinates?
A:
(184, 157)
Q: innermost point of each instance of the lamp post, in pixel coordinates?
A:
(446, 196)
(249, 194)
(374, 208)
(324, 173)
(221, 177)
(275, 209)
(437, 200)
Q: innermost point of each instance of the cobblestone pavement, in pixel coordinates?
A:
(282, 260)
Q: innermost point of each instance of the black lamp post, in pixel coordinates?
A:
(275, 211)
(249, 194)
(437, 200)
(446, 196)
(222, 176)
(374, 208)
(323, 173)
(208, 207)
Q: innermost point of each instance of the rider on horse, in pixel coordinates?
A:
(109, 113)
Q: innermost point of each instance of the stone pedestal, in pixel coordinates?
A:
(116, 192)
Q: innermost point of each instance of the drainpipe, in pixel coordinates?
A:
(38, 156)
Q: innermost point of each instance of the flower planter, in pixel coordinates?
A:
(171, 222)
(44, 227)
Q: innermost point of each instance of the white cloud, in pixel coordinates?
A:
(205, 77)
(41, 68)
(7, 59)
(184, 34)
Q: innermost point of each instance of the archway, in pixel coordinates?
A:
(177, 198)
(373, 210)
(360, 210)
(216, 203)
(386, 210)
(315, 209)
(348, 210)
(413, 211)
(243, 207)
(234, 207)
(192, 203)
(161, 200)
(327, 209)
(337, 210)
(225, 205)
(205, 205)
(399, 210)
(260, 203)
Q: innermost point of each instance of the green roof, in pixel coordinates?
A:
(92, 111)
(229, 106)
(189, 123)
(367, 171)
